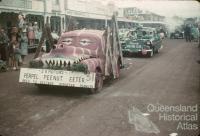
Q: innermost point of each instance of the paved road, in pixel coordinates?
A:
(131, 106)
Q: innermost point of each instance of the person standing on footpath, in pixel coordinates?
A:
(31, 35)
(187, 33)
(24, 43)
(36, 31)
(17, 55)
(3, 45)
(13, 48)
(21, 21)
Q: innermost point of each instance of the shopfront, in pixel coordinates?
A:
(8, 19)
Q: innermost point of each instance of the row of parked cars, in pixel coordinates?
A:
(143, 41)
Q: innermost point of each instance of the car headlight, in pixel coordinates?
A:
(79, 67)
(36, 64)
(148, 42)
(146, 47)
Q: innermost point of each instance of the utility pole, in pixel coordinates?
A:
(45, 11)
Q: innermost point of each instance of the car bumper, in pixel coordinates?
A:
(57, 77)
(138, 51)
(130, 52)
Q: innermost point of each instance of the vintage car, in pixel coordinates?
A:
(81, 58)
(147, 43)
(177, 34)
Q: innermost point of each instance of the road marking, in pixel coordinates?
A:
(173, 134)
(51, 112)
(42, 115)
(145, 114)
(141, 122)
(125, 94)
(36, 117)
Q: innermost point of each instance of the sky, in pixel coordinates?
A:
(189, 8)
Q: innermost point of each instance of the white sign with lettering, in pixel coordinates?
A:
(57, 77)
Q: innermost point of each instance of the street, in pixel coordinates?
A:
(122, 108)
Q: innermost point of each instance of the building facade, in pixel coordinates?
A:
(134, 13)
(55, 12)
(59, 13)
(40, 11)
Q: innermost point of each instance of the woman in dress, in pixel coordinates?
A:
(31, 35)
(24, 43)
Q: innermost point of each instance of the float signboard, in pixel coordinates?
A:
(57, 77)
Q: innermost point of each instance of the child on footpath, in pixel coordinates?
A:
(16, 56)
(14, 51)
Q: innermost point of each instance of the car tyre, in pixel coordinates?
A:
(150, 54)
(157, 50)
(98, 83)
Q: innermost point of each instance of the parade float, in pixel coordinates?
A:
(81, 58)
(144, 41)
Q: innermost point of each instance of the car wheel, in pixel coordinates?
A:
(118, 68)
(157, 51)
(98, 83)
(130, 54)
(150, 54)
